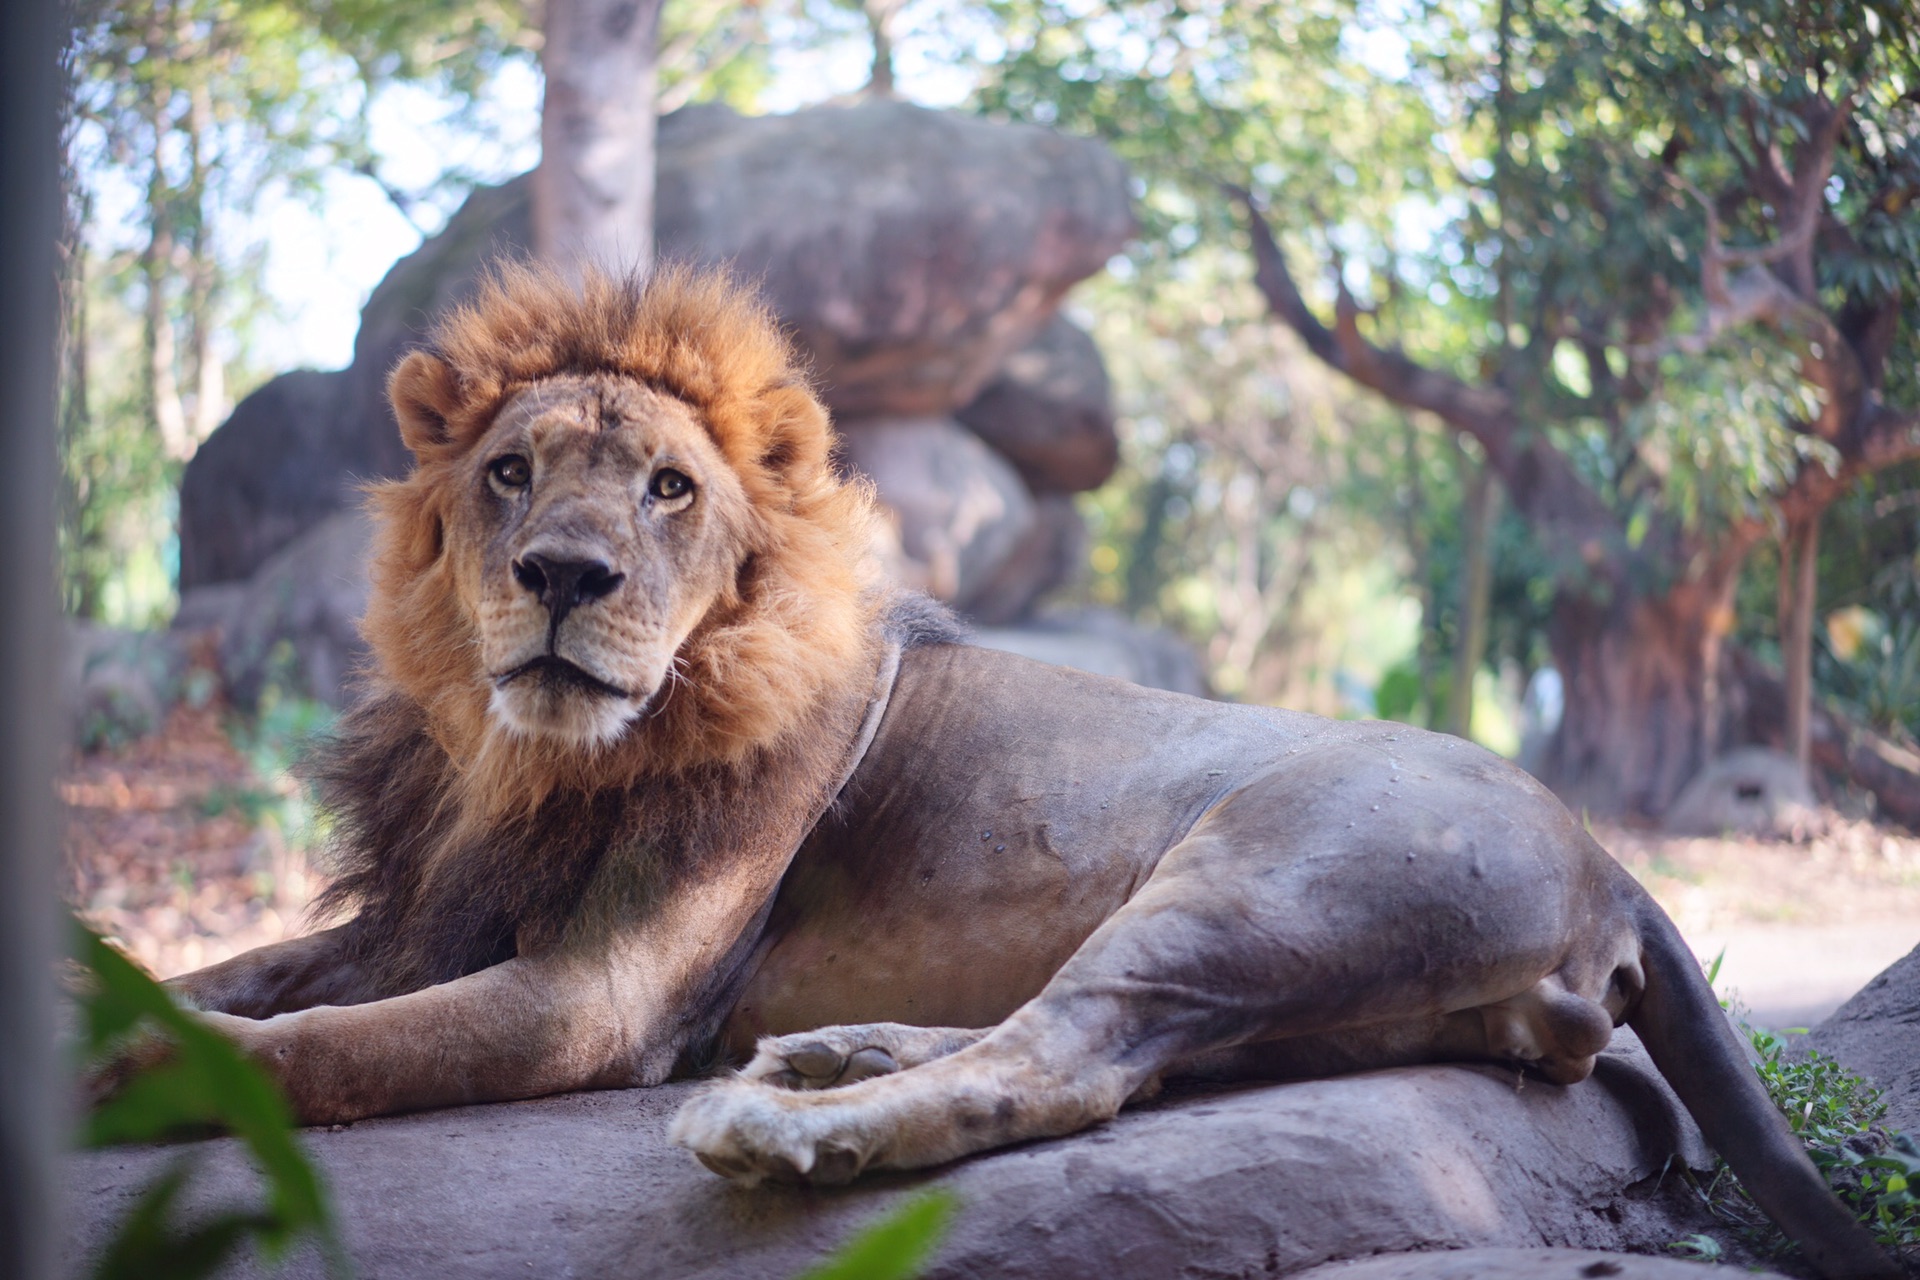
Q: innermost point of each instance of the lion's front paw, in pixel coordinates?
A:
(822, 1059)
(750, 1133)
(142, 1051)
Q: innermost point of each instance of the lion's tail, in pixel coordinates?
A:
(1701, 1056)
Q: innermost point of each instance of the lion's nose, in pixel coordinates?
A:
(562, 584)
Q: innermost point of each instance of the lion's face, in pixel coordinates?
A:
(595, 526)
(623, 549)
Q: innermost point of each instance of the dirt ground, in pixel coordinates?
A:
(177, 848)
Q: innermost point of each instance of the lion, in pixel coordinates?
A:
(651, 773)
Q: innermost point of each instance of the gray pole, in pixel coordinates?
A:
(30, 1095)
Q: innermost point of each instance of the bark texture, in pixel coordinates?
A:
(593, 191)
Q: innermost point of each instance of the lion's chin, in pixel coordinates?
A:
(563, 715)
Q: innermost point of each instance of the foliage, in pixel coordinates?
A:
(203, 1081)
(1837, 1115)
(1874, 1170)
(897, 1247)
(1573, 206)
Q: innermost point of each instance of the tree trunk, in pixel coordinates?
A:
(1413, 530)
(209, 380)
(1799, 580)
(881, 17)
(1640, 675)
(1482, 504)
(593, 191)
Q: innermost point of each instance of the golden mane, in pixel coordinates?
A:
(793, 627)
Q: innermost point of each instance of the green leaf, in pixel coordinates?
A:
(205, 1082)
(896, 1247)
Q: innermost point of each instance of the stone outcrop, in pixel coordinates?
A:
(1518, 1264)
(1265, 1181)
(1877, 1034)
(1050, 411)
(1105, 642)
(958, 511)
(910, 250)
(1749, 791)
(295, 624)
(285, 460)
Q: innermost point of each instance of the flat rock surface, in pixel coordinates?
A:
(1258, 1181)
(1516, 1264)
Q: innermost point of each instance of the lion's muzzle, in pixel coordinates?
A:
(561, 584)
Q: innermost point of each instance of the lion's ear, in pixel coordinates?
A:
(425, 392)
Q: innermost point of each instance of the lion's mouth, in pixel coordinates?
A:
(552, 670)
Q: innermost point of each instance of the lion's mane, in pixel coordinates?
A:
(454, 837)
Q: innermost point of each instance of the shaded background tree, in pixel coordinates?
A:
(1708, 282)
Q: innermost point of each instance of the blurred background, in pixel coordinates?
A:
(1542, 372)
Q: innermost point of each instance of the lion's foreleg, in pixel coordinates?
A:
(279, 978)
(521, 1029)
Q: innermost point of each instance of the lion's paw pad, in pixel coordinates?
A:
(817, 1061)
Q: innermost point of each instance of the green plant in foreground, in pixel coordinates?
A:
(897, 1247)
(204, 1082)
(1837, 1115)
(1874, 1170)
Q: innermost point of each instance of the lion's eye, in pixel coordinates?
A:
(513, 471)
(668, 483)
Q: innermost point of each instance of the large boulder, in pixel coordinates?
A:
(1049, 556)
(1265, 1181)
(957, 512)
(909, 251)
(297, 450)
(287, 458)
(1050, 411)
(1877, 1034)
(1749, 791)
(295, 625)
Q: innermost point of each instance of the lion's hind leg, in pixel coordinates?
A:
(834, 1056)
(1258, 927)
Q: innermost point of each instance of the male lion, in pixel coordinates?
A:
(650, 770)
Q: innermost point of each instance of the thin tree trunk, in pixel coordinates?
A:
(1482, 503)
(1414, 530)
(1482, 497)
(1799, 581)
(163, 389)
(881, 16)
(209, 381)
(593, 191)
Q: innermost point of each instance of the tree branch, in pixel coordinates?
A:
(1540, 480)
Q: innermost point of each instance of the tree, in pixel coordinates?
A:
(593, 191)
(1710, 266)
